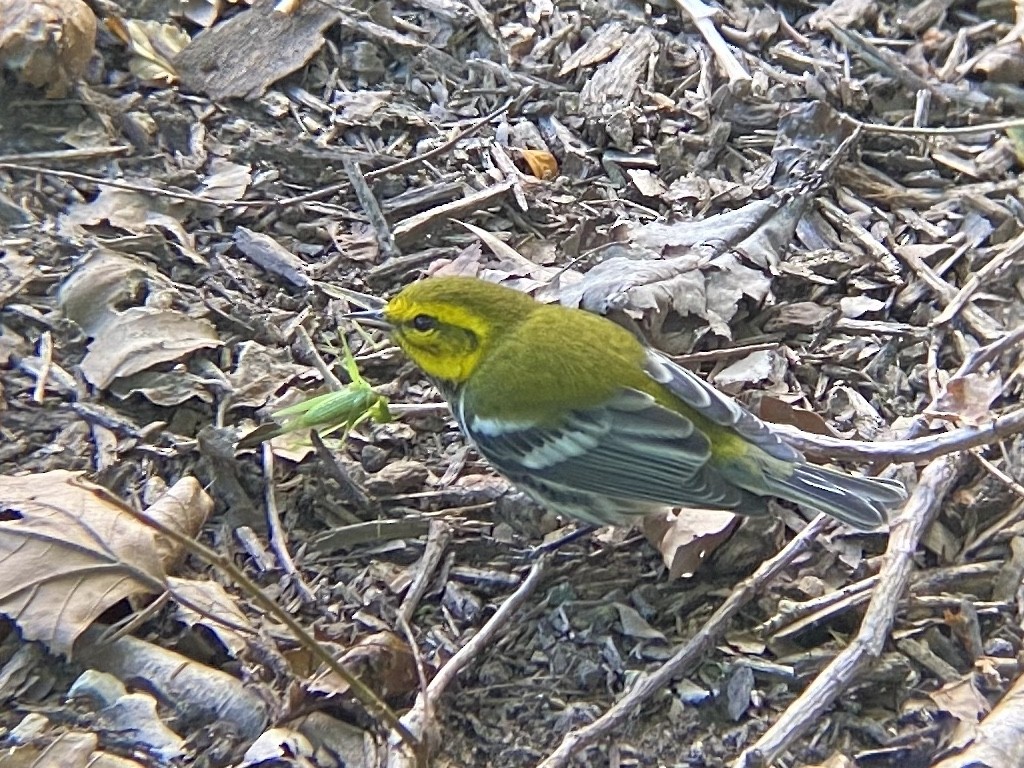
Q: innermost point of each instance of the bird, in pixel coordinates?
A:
(593, 424)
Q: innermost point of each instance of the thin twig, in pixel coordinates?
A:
(818, 697)
(438, 536)
(419, 720)
(904, 451)
(688, 655)
(371, 209)
(702, 17)
(144, 188)
(278, 542)
(442, 148)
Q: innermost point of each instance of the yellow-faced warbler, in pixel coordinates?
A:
(580, 415)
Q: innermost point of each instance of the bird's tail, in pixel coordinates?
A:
(861, 502)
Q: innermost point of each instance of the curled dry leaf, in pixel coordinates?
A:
(101, 283)
(69, 552)
(776, 411)
(686, 538)
(153, 47)
(541, 163)
(382, 660)
(762, 365)
(962, 699)
(47, 43)
(209, 604)
(970, 397)
(141, 337)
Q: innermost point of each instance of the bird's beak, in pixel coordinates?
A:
(371, 317)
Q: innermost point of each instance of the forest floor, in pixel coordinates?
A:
(815, 207)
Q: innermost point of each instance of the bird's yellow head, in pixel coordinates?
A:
(446, 324)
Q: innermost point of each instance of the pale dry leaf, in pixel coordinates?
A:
(184, 507)
(798, 316)
(209, 604)
(776, 411)
(153, 46)
(759, 366)
(634, 625)
(970, 397)
(164, 388)
(16, 271)
(660, 268)
(962, 700)
(855, 306)
(357, 107)
(133, 212)
(47, 43)
(850, 407)
(382, 661)
(68, 552)
(647, 183)
(259, 372)
(101, 285)
(687, 538)
(141, 337)
(227, 181)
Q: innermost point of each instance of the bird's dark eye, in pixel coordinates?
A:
(424, 323)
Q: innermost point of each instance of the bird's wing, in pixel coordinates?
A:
(717, 407)
(630, 448)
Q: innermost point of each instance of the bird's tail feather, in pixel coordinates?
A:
(861, 502)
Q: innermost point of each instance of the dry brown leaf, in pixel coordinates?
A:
(47, 43)
(134, 212)
(776, 411)
(686, 538)
(226, 181)
(647, 183)
(209, 604)
(153, 46)
(962, 700)
(382, 660)
(970, 397)
(542, 163)
(761, 365)
(140, 338)
(185, 508)
(855, 306)
(68, 553)
(16, 271)
(635, 625)
(101, 284)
